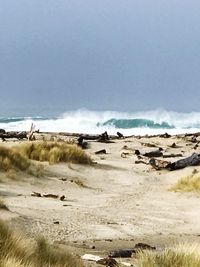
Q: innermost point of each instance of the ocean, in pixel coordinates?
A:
(96, 122)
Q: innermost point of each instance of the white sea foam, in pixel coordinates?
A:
(85, 121)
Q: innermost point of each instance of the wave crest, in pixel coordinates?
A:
(95, 122)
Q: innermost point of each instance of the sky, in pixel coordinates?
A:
(124, 55)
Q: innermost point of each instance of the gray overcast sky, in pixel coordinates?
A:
(100, 54)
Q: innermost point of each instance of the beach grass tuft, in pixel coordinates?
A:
(19, 158)
(16, 251)
(190, 183)
(184, 255)
(53, 152)
(11, 159)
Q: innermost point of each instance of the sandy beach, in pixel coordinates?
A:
(113, 203)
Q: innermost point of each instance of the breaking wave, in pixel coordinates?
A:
(95, 122)
(136, 123)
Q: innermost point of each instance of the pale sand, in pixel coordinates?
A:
(123, 203)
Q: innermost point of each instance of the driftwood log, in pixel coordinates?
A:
(156, 153)
(102, 151)
(10, 135)
(193, 160)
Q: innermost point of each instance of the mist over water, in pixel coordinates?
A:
(96, 122)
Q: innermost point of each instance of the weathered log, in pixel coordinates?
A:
(104, 138)
(9, 135)
(172, 156)
(122, 253)
(154, 154)
(31, 132)
(159, 164)
(81, 142)
(120, 135)
(193, 160)
(102, 151)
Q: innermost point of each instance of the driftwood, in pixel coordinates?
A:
(172, 155)
(36, 194)
(81, 142)
(120, 135)
(156, 153)
(10, 135)
(193, 160)
(127, 253)
(31, 132)
(122, 253)
(151, 154)
(102, 151)
(104, 138)
(159, 164)
(50, 195)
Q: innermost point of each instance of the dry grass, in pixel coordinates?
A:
(15, 251)
(3, 205)
(190, 183)
(12, 159)
(16, 159)
(180, 256)
(12, 162)
(53, 152)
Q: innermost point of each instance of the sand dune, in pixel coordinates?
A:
(111, 204)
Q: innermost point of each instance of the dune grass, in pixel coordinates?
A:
(19, 158)
(53, 152)
(184, 255)
(12, 162)
(3, 205)
(190, 183)
(16, 251)
(12, 159)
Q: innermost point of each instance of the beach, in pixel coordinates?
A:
(110, 204)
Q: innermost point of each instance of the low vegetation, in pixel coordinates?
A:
(12, 162)
(183, 255)
(190, 183)
(19, 158)
(16, 251)
(53, 152)
(11, 159)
